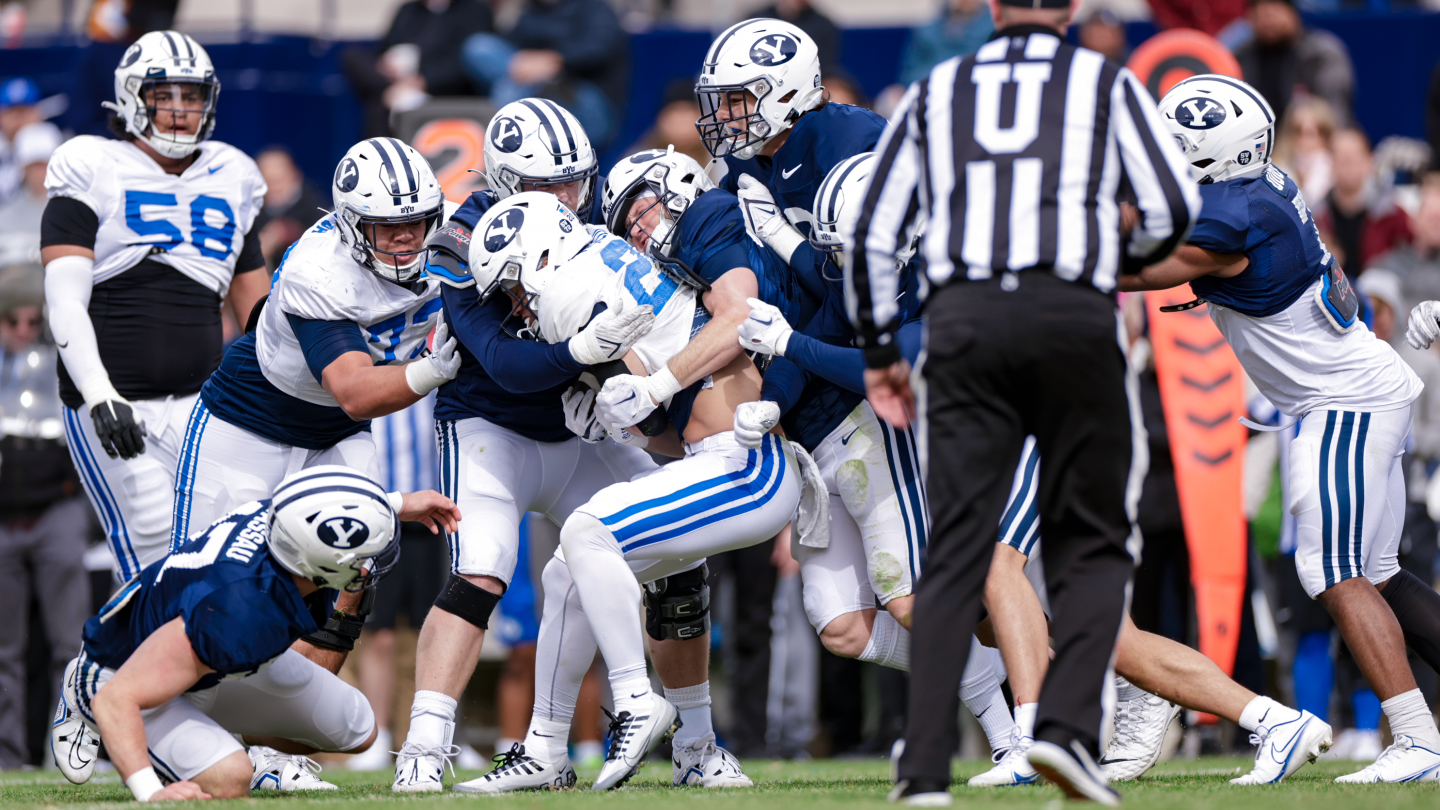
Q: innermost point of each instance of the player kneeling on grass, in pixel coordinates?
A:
(196, 648)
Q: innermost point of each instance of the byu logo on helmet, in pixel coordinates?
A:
(1200, 113)
(503, 228)
(347, 175)
(131, 55)
(343, 532)
(506, 135)
(774, 49)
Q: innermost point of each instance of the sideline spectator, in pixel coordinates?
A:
(21, 211)
(962, 27)
(675, 123)
(573, 52)
(20, 112)
(42, 521)
(1302, 146)
(844, 88)
(1357, 221)
(802, 15)
(1283, 56)
(291, 203)
(1417, 264)
(418, 57)
(1104, 33)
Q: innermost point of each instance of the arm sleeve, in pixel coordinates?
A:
(784, 383)
(519, 366)
(67, 221)
(845, 366)
(69, 281)
(323, 341)
(1168, 199)
(1224, 221)
(251, 256)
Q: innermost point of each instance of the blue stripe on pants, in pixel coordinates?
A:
(1327, 540)
(185, 474)
(110, 514)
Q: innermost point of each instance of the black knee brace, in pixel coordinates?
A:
(470, 602)
(1417, 609)
(678, 606)
(339, 630)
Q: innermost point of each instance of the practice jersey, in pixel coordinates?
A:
(817, 143)
(1273, 314)
(241, 609)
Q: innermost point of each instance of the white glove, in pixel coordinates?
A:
(627, 398)
(766, 330)
(1424, 324)
(579, 405)
(611, 334)
(764, 220)
(753, 420)
(438, 367)
(625, 437)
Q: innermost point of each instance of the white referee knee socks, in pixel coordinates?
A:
(980, 692)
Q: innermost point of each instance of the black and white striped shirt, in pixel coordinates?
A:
(1016, 156)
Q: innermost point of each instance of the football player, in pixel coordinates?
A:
(196, 649)
(1283, 303)
(143, 239)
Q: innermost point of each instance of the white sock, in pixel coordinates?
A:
(694, 705)
(889, 644)
(547, 741)
(432, 720)
(611, 598)
(980, 692)
(1025, 719)
(1409, 715)
(1262, 711)
(631, 689)
(1124, 690)
(565, 647)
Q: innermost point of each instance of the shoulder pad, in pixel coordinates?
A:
(449, 252)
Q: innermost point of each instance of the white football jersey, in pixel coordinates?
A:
(197, 220)
(319, 280)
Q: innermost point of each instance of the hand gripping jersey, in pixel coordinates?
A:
(241, 609)
(1285, 314)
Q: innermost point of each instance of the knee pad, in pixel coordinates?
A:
(678, 606)
(470, 602)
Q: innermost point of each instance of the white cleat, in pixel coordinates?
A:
(419, 769)
(277, 771)
(632, 738)
(72, 744)
(706, 764)
(517, 770)
(1284, 748)
(1140, 725)
(1011, 767)
(1073, 771)
(1404, 761)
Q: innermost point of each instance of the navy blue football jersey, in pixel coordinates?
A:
(817, 143)
(1264, 218)
(241, 608)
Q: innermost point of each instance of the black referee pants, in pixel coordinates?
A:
(1043, 359)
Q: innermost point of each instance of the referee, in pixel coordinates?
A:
(1016, 159)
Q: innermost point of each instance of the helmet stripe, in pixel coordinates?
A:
(565, 127)
(712, 59)
(840, 182)
(549, 128)
(332, 488)
(174, 50)
(189, 49)
(404, 161)
(389, 167)
(314, 473)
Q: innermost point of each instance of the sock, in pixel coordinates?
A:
(1417, 609)
(1409, 715)
(565, 647)
(889, 644)
(694, 705)
(432, 720)
(1025, 719)
(631, 689)
(1366, 706)
(980, 692)
(1314, 673)
(546, 740)
(611, 598)
(1124, 690)
(1262, 711)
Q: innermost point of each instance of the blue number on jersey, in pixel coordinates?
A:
(388, 332)
(201, 231)
(647, 285)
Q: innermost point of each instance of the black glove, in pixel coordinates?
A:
(120, 433)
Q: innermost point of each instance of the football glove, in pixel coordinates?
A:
(611, 334)
(753, 420)
(120, 433)
(627, 399)
(1424, 324)
(579, 406)
(764, 221)
(766, 330)
(439, 366)
(625, 437)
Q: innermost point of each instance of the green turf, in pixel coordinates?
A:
(801, 786)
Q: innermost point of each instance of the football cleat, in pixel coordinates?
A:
(632, 737)
(1140, 725)
(277, 771)
(73, 745)
(517, 770)
(703, 763)
(1011, 766)
(419, 769)
(1404, 761)
(1073, 772)
(915, 794)
(1284, 748)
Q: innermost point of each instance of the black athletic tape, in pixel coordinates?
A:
(470, 602)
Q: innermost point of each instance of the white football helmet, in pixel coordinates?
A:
(1224, 126)
(534, 142)
(157, 60)
(334, 527)
(660, 177)
(383, 181)
(517, 246)
(779, 66)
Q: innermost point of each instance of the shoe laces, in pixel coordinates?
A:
(1126, 720)
(508, 762)
(619, 731)
(412, 751)
(302, 762)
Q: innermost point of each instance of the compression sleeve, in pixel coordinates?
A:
(251, 256)
(519, 366)
(324, 341)
(784, 383)
(68, 282)
(842, 365)
(67, 221)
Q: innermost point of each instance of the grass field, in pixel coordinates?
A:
(1199, 783)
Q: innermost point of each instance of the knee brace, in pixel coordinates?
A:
(339, 630)
(470, 602)
(678, 606)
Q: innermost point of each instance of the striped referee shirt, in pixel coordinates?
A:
(1015, 158)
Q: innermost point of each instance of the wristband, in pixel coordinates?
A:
(397, 501)
(422, 377)
(785, 242)
(144, 783)
(663, 385)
